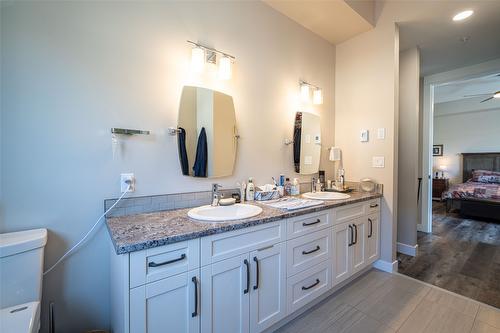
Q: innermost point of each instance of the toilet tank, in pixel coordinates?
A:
(21, 266)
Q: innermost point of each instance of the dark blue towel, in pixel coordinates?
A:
(200, 163)
(183, 158)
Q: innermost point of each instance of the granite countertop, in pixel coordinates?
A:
(142, 231)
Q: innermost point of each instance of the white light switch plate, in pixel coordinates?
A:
(381, 133)
(378, 162)
(364, 136)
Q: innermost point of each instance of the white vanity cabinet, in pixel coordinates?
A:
(242, 281)
(225, 295)
(356, 239)
(172, 302)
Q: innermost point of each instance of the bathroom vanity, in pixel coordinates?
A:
(170, 273)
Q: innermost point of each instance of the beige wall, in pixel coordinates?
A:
(408, 148)
(72, 70)
(365, 98)
(464, 132)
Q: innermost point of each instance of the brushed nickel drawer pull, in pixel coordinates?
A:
(373, 205)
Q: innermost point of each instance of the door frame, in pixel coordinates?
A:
(430, 82)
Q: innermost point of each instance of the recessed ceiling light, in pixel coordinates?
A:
(496, 95)
(463, 15)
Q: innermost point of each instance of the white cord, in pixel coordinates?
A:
(88, 233)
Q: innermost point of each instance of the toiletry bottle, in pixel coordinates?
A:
(243, 191)
(282, 180)
(322, 178)
(318, 186)
(288, 187)
(250, 190)
(296, 186)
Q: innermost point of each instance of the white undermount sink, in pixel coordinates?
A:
(326, 195)
(224, 213)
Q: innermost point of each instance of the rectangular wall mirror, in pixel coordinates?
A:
(306, 143)
(207, 138)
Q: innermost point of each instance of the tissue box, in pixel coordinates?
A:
(266, 195)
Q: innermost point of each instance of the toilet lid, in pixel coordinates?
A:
(22, 318)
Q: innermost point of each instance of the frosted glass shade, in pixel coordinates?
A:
(197, 59)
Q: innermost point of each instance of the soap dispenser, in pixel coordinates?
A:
(250, 190)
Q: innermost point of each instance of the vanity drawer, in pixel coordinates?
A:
(229, 244)
(307, 251)
(372, 206)
(160, 262)
(306, 286)
(302, 225)
(349, 212)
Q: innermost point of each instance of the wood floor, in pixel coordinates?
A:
(461, 255)
(383, 302)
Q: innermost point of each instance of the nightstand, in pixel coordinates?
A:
(439, 185)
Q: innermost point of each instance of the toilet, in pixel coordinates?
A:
(21, 268)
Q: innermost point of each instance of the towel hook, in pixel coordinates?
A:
(173, 131)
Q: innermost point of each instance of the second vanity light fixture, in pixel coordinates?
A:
(305, 93)
(203, 54)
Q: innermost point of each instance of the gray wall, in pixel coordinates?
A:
(408, 148)
(72, 70)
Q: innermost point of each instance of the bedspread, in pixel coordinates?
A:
(473, 190)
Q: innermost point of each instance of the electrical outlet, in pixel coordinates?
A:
(124, 177)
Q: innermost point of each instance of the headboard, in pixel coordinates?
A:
(479, 161)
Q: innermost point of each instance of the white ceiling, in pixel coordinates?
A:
(438, 37)
(334, 20)
(458, 90)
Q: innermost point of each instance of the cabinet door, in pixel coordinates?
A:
(225, 290)
(341, 259)
(358, 249)
(167, 305)
(268, 288)
(373, 238)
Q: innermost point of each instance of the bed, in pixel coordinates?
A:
(479, 194)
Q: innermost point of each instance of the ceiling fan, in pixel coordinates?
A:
(491, 96)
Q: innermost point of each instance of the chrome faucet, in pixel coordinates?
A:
(313, 184)
(215, 194)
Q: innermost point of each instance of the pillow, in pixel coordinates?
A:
(485, 176)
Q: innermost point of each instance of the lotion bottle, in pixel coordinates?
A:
(250, 190)
(295, 187)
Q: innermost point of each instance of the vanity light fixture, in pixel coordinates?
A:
(203, 54)
(463, 15)
(318, 96)
(305, 92)
(197, 59)
(225, 68)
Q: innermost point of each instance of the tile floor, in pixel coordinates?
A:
(383, 302)
(461, 255)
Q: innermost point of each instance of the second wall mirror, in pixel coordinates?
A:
(207, 138)
(306, 143)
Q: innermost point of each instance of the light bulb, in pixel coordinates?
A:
(463, 15)
(225, 68)
(317, 96)
(304, 92)
(197, 59)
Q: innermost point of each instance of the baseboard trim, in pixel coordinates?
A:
(410, 250)
(386, 266)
